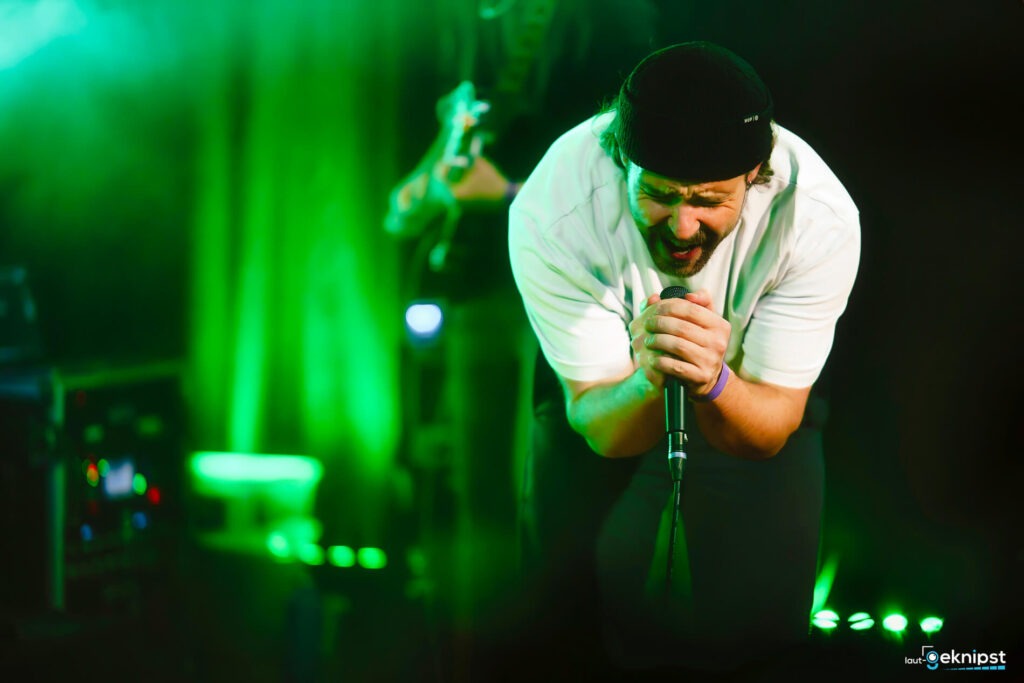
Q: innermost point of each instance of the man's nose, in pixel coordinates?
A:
(684, 221)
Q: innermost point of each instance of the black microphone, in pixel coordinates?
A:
(675, 407)
(675, 425)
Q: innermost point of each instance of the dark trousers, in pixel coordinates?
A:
(595, 536)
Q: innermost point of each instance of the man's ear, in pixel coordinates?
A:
(753, 174)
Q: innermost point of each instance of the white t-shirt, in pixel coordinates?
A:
(781, 278)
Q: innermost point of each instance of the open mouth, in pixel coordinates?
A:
(685, 255)
(681, 252)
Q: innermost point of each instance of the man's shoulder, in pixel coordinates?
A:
(577, 154)
(804, 212)
(584, 137)
(574, 174)
(801, 174)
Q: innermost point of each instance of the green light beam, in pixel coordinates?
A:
(823, 584)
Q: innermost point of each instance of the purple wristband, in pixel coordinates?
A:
(716, 390)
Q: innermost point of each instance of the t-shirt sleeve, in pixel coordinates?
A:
(793, 326)
(576, 318)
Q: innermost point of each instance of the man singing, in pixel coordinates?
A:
(687, 180)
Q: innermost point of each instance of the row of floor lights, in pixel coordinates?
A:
(828, 620)
(336, 555)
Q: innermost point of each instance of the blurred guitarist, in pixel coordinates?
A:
(526, 77)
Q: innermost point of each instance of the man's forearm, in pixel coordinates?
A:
(619, 419)
(627, 417)
(751, 420)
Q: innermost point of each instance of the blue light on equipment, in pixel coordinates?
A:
(140, 520)
(424, 320)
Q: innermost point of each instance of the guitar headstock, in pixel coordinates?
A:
(460, 114)
(425, 193)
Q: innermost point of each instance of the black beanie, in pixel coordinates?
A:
(695, 112)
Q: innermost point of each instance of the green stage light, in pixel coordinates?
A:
(139, 484)
(341, 556)
(28, 27)
(825, 619)
(896, 623)
(931, 624)
(311, 553)
(277, 544)
(372, 558)
(267, 499)
(823, 583)
(244, 467)
(860, 621)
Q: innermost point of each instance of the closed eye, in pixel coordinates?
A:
(666, 199)
(697, 201)
(671, 199)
